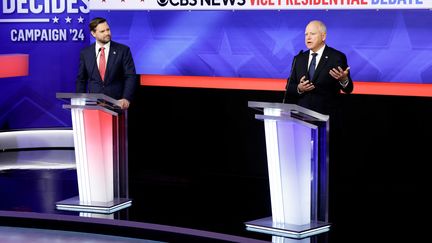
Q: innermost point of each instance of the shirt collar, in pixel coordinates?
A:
(319, 52)
(107, 46)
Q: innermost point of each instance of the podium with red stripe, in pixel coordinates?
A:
(100, 141)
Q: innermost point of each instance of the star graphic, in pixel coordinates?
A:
(285, 42)
(68, 20)
(228, 63)
(55, 20)
(283, 38)
(80, 19)
(397, 61)
(158, 53)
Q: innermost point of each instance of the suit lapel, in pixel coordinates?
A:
(92, 58)
(112, 56)
(321, 64)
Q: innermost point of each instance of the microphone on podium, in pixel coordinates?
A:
(291, 73)
(94, 64)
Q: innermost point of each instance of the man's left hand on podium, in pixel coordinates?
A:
(124, 104)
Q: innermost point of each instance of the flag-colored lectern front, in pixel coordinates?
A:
(100, 142)
(296, 145)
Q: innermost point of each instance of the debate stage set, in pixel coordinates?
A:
(208, 151)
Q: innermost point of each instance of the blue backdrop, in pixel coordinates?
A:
(390, 46)
(382, 46)
(53, 48)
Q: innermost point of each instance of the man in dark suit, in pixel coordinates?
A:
(321, 91)
(106, 66)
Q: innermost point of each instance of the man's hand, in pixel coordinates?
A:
(124, 104)
(340, 74)
(304, 85)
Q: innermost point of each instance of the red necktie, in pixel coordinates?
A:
(102, 64)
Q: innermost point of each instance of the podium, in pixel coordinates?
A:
(297, 159)
(100, 141)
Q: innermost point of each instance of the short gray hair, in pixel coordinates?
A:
(321, 26)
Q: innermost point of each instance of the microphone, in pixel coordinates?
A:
(291, 73)
(94, 64)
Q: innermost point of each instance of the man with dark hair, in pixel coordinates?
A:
(106, 66)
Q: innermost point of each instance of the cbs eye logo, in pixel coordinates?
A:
(162, 3)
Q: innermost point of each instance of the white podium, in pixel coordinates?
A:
(100, 141)
(297, 159)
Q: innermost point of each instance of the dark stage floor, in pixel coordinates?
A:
(27, 212)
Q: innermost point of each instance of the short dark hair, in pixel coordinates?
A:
(95, 22)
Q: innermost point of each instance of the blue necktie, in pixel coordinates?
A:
(312, 66)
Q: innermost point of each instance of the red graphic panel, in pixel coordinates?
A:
(372, 88)
(14, 65)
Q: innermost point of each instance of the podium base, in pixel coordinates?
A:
(74, 204)
(267, 226)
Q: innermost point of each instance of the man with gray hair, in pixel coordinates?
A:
(319, 74)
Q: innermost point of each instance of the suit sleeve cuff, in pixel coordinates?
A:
(344, 83)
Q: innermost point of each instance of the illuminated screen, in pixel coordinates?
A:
(224, 49)
(381, 46)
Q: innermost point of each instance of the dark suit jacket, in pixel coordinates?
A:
(325, 97)
(120, 77)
